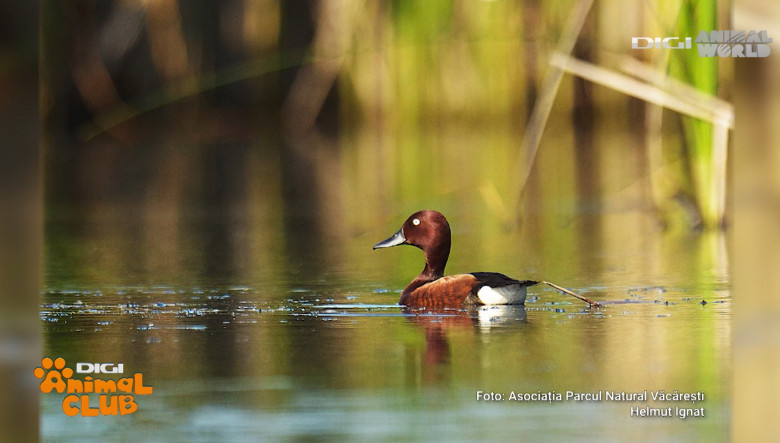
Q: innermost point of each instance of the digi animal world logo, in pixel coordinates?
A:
(717, 43)
(114, 397)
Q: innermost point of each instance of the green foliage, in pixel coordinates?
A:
(702, 73)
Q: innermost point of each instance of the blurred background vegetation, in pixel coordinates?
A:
(359, 107)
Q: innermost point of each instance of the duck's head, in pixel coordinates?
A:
(429, 231)
(424, 229)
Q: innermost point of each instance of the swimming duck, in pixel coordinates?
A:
(429, 231)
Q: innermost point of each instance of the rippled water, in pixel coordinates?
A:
(326, 361)
(258, 327)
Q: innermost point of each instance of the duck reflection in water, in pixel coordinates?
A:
(481, 319)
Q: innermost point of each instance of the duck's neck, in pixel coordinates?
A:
(435, 262)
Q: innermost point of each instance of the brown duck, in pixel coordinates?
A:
(429, 231)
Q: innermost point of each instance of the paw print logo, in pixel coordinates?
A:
(54, 378)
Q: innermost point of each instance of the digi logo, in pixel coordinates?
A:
(114, 397)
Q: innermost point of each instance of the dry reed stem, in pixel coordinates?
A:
(544, 104)
(590, 302)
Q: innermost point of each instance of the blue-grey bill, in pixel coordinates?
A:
(396, 239)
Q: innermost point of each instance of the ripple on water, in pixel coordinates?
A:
(167, 307)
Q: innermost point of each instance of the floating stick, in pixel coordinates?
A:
(586, 300)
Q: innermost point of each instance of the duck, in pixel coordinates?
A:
(430, 231)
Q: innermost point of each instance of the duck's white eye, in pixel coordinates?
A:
(415, 222)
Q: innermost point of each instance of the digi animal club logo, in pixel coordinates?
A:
(114, 397)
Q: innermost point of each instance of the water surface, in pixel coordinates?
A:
(311, 343)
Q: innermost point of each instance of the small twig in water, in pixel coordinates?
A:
(586, 300)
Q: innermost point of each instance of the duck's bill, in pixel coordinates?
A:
(397, 239)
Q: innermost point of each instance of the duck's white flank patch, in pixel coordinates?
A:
(505, 295)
